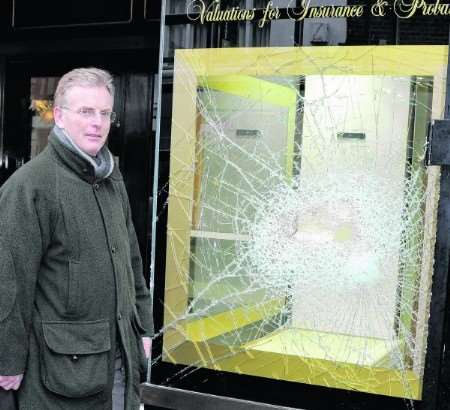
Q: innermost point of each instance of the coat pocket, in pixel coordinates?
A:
(75, 357)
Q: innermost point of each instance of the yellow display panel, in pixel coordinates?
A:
(301, 220)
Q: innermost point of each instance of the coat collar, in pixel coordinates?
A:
(79, 165)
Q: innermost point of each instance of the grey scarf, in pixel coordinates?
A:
(103, 162)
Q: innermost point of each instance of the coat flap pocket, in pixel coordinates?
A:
(77, 337)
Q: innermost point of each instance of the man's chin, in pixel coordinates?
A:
(92, 148)
(91, 151)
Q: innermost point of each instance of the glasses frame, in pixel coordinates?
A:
(112, 114)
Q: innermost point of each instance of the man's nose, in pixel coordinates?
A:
(96, 119)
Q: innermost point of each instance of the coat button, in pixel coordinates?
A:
(119, 316)
(74, 358)
(113, 249)
(96, 186)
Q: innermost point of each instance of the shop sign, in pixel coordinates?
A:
(200, 11)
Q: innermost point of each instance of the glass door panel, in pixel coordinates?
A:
(301, 217)
(42, 90)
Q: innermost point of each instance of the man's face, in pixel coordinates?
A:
(89, 133)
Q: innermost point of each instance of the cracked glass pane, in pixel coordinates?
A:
(301, 217)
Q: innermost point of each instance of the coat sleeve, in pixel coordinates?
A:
(21, 248)
(144, 305)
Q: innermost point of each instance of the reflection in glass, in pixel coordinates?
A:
(42, 90)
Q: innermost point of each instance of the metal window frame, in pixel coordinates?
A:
(106, 23)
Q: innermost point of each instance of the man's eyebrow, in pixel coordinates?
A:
(86, 107)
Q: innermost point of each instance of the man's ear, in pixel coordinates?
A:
(58, 116)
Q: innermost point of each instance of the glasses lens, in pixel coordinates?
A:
(87, 112)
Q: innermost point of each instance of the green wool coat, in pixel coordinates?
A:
(70, 284)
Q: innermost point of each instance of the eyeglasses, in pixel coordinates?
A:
(89, 113)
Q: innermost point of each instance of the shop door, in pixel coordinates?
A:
(302, 226)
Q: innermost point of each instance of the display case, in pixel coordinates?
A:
(301, 216)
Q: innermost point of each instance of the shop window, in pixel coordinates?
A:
(301, 219)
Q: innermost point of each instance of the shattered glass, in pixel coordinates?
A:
(301, 223)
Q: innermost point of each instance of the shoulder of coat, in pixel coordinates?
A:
(116, 175)
(38, 173)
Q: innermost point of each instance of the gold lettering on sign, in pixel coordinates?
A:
(213, 13)
(335, 11)
(378, 9)
(270, 13)
(407, 9)
(308, 11)
(200, 10)
(301, 13)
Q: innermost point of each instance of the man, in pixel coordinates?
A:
(75, 314)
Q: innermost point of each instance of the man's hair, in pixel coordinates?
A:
(83, 77)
